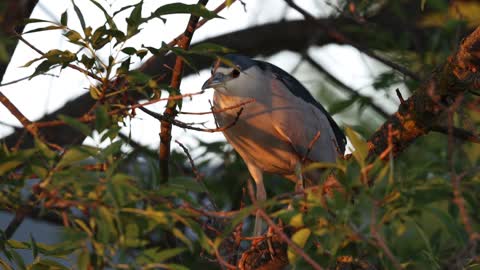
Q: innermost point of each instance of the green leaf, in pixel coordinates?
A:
(17, 244)
(83, 128)
(42, 68)
(209, 48)
(138, 77)
(34, 247)
(48, 264)
(71, 156)
(361, 148)
(158, 216)
(169, 253)
(111, 133)
(187, 183)
(109, 18)
(340, 106)
(134, 20)
(324, 165)
(83, 260)
(6, 166)
(95, 93)
(87, 61)
(79, 15)
(113, 149)
(300, 238)
(180, 236)
(47, 28)
(102, 119)
(33, 20)
(422, 5)
(17, 259)
(123, 9)
(180, 8)
(100, 38)
(124, 67)
(73, 36)
(129, 50)
(64, 18)
(452, 227)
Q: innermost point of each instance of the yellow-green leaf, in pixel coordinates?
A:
(300, 238)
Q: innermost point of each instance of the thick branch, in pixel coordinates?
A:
(170, 112)
(424, 111)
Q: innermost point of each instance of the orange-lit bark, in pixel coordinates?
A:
(426, 108)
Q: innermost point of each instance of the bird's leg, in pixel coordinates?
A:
(299, 176)
(261, 196)
(299, 185)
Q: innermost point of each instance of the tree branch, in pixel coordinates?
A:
(423, 111)
(170, 111)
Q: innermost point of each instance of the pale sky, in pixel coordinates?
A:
(44, 94)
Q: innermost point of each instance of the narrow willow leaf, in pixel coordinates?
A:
(300, 238)
(83, 260)
(34, 247)
(79, 15)
(47, 28)
(360, 146)
(72, 156)
(208, 48)
(180, 8)
(109, 18)
(85, 129)
(64, 18)
(33, 20)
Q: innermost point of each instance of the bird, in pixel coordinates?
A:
(274, 132)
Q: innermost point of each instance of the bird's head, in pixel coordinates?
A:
(232, 74)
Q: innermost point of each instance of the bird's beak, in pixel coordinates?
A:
(215, 80)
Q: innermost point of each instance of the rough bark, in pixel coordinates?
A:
(425, 109)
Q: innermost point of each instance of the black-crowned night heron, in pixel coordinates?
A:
(274, 132)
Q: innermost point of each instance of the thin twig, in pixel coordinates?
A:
(88, 117)
(198, 175)
(27, 124)
(189, 126)
(459, 133)
(222, 261)
(15, 223)
(21, 79)
(458, 199)
(86, 72)
(379, 239)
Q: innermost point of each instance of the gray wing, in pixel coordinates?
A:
(298, 123)
(298, 90)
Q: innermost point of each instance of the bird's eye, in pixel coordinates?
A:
(235, 73)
